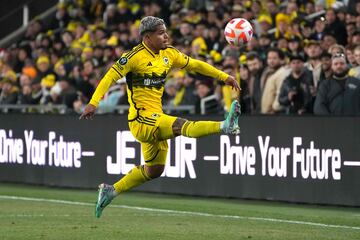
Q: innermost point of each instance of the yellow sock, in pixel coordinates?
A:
(134, 178)
(200, 128)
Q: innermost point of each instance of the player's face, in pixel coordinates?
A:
(159, 39)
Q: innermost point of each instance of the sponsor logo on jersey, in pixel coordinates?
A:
(153, 82)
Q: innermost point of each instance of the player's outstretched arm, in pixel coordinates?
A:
(208, 70)
(231, 81)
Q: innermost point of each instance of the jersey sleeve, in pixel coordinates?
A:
(183, 61)
(118, 70)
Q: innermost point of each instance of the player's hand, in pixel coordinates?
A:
(89, 112)
(231, 81)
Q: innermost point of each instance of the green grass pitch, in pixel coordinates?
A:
(32, 212)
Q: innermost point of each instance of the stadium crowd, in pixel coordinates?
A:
(304, 57)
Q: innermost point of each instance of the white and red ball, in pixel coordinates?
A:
(238, 31)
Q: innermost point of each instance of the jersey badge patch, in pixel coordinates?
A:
(123, 60)
(166, 60)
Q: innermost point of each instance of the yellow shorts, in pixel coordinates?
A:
(152, 130)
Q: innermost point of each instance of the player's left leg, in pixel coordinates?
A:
(155, 157)
(197, 129)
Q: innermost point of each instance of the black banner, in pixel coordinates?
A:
(295, 159)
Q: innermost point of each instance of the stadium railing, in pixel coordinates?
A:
(63, 109)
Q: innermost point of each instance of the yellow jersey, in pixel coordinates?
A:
(145, 73)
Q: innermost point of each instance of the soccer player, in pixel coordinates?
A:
(145, 68)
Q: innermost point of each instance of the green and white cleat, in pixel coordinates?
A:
(231, 123)
(106, 195)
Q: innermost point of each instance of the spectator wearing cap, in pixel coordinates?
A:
(306, 30)
(326, 71)
(294, 46)
(283, 22)
(8, 92)
(319, 28)
(46, 77)
(313, 51)
(263, 24)
(296, 90)
(207, 102)
(340, 95)
(274, 76)
(335, 27)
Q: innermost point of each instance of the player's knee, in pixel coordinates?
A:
(177, 125)
(154, 171)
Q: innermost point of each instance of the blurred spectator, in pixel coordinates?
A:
(62, 17)
(340, 94)
(295, 47)
(295, 93)
(350, 57)
(355, 40)
(319, 29)
(207, 98)
(355, 71)
(313, 51)
(169, 93)
(245, 98)
(9, 92)
(273, 75)
(256, 82)
(336, 48)
(326, 71)
(187, 91)
(335, 27)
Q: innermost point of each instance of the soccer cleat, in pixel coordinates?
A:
(231, 123)
(106, 195)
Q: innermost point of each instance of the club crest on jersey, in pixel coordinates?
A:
(155, 115)
(166, 60)
(123, 60)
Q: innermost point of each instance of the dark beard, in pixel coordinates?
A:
(315, 57)
(340, 75)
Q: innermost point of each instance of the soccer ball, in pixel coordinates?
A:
(238, 31)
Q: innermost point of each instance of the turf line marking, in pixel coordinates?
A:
(182, 212)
